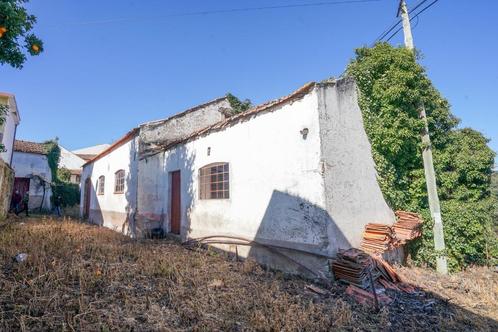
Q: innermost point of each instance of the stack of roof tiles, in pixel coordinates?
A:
(353, 266)
(378, 238)
(407, 226)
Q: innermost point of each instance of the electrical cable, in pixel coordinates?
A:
(224, 11)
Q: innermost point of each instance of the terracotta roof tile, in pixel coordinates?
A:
(29, 147)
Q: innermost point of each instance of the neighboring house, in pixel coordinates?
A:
(91, 151)
(7, 137)
(8, 128)
(72, 162)
(32, 173)
(295, 176)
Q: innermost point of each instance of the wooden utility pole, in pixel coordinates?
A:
(430, 175)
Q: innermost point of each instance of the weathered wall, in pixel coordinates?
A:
(8, 128)
(155, 134)
(26, 165)
(353, 195)
(6, 184)
(276, 184)
(113, 210)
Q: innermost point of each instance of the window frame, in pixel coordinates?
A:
(214, 185)
(121, 191)
(101, 185)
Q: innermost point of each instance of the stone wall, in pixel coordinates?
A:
(6, 183)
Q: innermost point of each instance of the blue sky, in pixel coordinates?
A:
(97, 80)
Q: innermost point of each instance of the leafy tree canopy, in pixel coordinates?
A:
(392, 85)
(16, 37)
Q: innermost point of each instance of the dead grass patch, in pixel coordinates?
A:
(81, 277)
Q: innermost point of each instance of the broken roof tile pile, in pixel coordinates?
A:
(378, 238)
(367, 298)
(408, 226)
(353, 266)
(29, 147)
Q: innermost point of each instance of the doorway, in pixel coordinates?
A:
(175, 202)
(86, 200)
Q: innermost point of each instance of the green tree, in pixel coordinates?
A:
(61, 176)
(16, 37)
(392, 85)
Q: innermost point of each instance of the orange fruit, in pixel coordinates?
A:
(35, 48)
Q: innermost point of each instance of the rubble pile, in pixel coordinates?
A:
(353, 266)
(368, 277)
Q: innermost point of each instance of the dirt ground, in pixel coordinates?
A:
(85, 278)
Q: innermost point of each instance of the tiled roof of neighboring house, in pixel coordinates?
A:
(298, 94)
(86, 157)
(129, 135)
(29, 147)
(91, 150)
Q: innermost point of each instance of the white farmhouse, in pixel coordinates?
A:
(294, 178)
(32, 173)
(9, 126)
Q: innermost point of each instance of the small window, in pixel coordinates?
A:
(101, 185)
(214, 181)
(119, 182)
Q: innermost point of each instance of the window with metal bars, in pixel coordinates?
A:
(119, 182)
(101, 185)
(214, 181)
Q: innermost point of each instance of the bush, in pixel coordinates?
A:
(392, 86)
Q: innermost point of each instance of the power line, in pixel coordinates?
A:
(230, 10)
(411, 18)
(388, 30)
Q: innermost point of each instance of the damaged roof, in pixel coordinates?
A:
(30, 147)
(268, 106)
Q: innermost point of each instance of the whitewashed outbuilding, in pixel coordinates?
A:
(294, 178)
(32, 173)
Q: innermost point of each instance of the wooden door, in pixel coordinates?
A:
(86, 200)
(175, 202)
(22, 185)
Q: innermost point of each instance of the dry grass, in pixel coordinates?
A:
(80, 277)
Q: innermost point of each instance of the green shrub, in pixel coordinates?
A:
(392, 85)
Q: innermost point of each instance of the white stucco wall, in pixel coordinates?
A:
(276, 188)
(26, 165)
(112, 209)
(9, 128)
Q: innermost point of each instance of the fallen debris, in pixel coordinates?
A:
(367, 298)
(21, 257)
(316, 289)
(352, 266)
